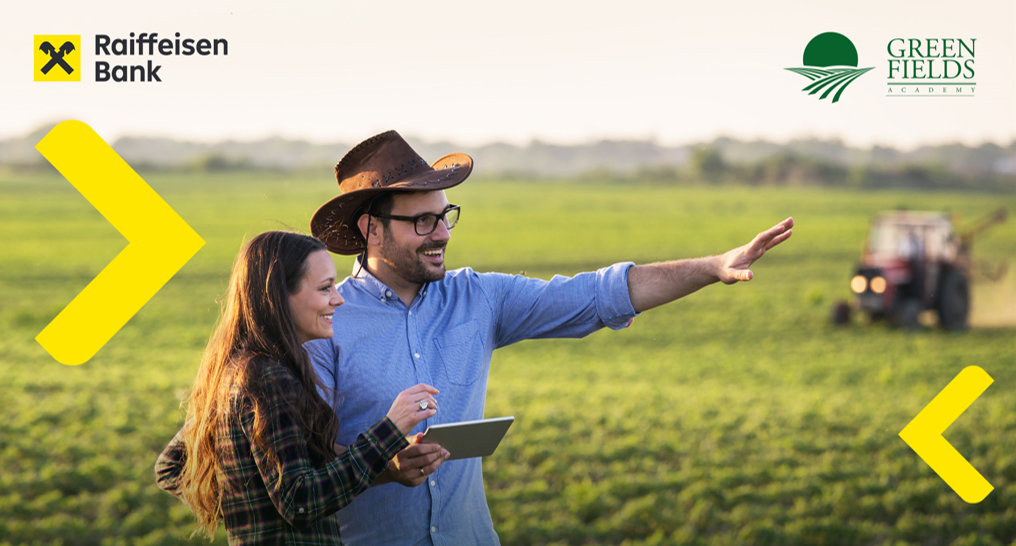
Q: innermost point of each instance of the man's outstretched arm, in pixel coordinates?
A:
(655, 284)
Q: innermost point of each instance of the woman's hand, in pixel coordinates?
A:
(413, 465)
(407, 410)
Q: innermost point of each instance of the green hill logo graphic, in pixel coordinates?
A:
(830, 62)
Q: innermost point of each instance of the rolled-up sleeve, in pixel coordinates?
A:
(613, 301)
(169, 466)
(563, 307)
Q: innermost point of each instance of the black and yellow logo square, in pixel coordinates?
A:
(57, 57)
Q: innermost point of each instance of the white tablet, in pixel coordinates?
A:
(469, 438)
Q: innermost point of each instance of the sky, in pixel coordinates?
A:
(477, 72)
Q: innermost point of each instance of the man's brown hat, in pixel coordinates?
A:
(380, 164)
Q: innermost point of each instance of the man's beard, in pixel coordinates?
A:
(407, 263)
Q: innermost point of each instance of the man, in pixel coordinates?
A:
(406, 321)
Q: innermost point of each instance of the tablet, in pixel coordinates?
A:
(469, 438)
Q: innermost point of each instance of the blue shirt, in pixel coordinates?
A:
(445, 338)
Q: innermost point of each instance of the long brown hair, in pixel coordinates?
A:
(256, 327)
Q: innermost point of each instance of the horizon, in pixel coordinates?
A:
(430, 142)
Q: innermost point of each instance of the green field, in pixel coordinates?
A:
(735, 416)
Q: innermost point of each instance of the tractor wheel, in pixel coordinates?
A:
(905, 315)
(841, 313)
(954, 301)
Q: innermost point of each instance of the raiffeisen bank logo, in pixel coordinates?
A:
(57, 57)
(830, 62)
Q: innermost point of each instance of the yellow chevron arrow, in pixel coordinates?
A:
(159, 243)
(924, 434)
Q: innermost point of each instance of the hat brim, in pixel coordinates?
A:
(334, 223)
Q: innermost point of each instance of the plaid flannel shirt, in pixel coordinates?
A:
(302, 509)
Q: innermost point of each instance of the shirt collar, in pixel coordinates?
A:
(366, 280)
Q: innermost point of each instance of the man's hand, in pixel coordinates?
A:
(655, 284)
(733, 265)
(407, 409)
(412, 465)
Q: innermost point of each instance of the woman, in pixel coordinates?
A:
(257, 451)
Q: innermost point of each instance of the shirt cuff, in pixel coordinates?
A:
(613, 302)
(386, 438)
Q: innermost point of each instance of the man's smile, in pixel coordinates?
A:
(434, 255)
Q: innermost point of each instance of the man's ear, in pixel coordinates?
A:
(372, 238)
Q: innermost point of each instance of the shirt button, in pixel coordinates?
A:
(410, 312)
(300, 510)
(417, 355)
(433, 529)
(388, 293)
(433, 483)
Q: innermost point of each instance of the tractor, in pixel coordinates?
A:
(912, 262)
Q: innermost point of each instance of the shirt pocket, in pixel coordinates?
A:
(459, 348)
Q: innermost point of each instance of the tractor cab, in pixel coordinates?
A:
(912, 235)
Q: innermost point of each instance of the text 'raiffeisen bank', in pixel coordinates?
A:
(146, 44)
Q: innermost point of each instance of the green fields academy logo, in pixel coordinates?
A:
(830, 62)
(931, 67)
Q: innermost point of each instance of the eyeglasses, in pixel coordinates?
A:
(426, 223)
